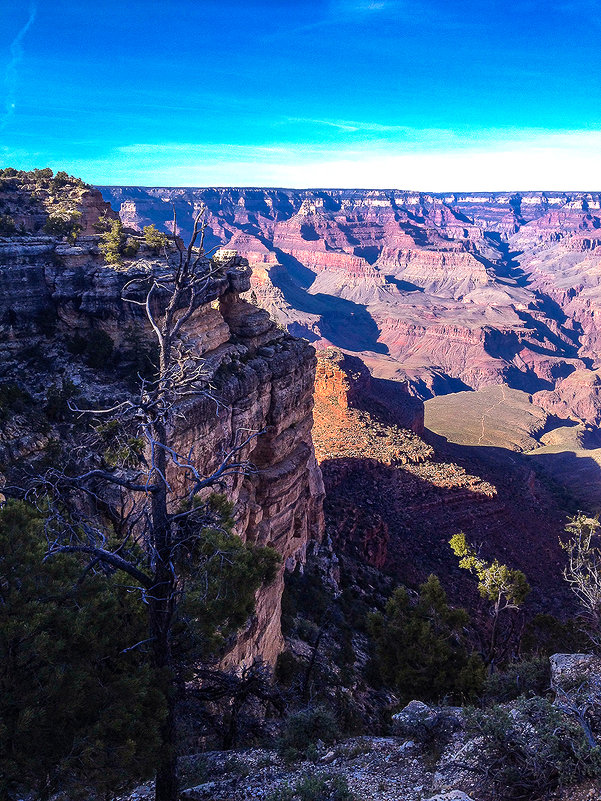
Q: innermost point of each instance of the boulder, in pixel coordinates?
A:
(422, 722)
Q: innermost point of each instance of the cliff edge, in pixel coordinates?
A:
(65, 330)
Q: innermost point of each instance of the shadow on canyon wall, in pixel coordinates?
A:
(344, 323)
(400, 522)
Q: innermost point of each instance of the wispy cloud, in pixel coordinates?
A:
(411, 13)
(11, 74)
(341, 8)
(352, 126)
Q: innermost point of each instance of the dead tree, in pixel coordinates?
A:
(160, 509)
(583, 571)
(234, 690)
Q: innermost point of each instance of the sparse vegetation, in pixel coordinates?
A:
(314, 787)
(67, 225)
(531, 748)
(304, 728)
(7, 225)
(505, 588)
(112, 243)
(155, 239)
(583, 570)
(115, 244)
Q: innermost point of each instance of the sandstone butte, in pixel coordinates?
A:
(447, 292)
(263, 379)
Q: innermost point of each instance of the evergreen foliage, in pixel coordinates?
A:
(305, 727)
(545, 635)
(112, 242)
(155, 239)
(504, 587)
(314, 787)
(495, 581)
(421, 647)
(77, 710)
(219, 576)
(528, 677)
(531, 748)
(67, 225)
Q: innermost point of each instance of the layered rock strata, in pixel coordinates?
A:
(261, 381)
(448, 291)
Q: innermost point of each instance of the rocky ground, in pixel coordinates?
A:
(444, 761)
(375, 769)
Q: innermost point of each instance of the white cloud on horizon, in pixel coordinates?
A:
(428, 160)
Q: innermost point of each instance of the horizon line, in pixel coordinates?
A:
(353, 189)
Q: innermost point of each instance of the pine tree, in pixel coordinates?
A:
(421, 646)
(77, 710)
(504, 587)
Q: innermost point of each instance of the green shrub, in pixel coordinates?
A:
(79, 708)
(60, 179)
(194, 771)
(112, 243)
(131, 247)
(311, 787)
(528, 677)
(304, 728)
(531, 749)
(421, 649)
(545, 635)
(41, 176)
(7, 225)
(155, 239)
(67, 225)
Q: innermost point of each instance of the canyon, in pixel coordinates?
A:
(407, 367)
(447, 292)
(483, 306)
(456, 385)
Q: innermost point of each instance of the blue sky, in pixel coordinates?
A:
(417, 94)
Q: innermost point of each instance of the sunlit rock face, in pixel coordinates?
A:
(445, 291)
(260, 380)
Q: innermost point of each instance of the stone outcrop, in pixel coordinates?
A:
(261, 379)
(576, 397)
(393, 500)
